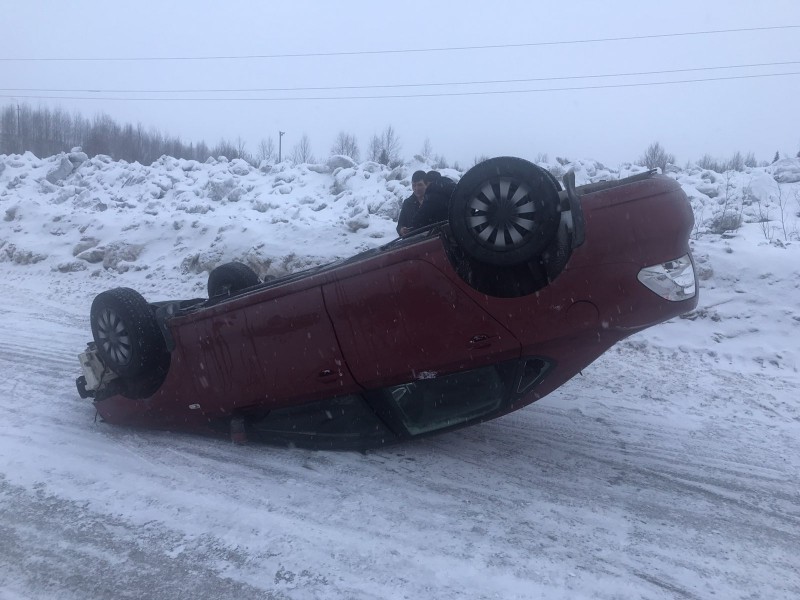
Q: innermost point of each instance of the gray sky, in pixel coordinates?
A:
(609, 124)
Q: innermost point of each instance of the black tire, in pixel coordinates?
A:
(557, 254)
(552, 178)
(504, 211)
(231, 278)
(125, 331)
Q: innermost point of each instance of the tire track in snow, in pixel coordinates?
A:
(54, 547)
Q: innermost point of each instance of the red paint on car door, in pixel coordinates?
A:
(408, 321)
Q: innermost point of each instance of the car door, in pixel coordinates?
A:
(409, 321)
(295, 342)
(265, 351)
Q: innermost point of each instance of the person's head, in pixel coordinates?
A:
(418, 184)
(431, 177)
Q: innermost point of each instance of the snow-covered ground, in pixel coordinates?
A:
(669, 469)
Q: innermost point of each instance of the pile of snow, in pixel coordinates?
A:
(178, 219)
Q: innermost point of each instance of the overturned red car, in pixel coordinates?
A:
(526, 283)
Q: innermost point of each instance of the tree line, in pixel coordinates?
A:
(45, 132)
(657, 156)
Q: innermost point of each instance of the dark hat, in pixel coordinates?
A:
(432, 176)
(418, 176)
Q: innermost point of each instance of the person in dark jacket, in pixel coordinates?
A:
(412, 203)
(436, 204)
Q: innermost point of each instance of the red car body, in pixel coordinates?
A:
(396, 342)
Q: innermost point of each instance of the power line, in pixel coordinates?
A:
(402, 50)
(389, 96)
(396, 85)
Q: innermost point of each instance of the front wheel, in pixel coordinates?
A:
(504, 211)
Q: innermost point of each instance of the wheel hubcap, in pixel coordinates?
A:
(113, 337)
(502, 215)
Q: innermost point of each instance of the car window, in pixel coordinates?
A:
(430, 404)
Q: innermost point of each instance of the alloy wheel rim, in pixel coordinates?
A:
(113, 337)
(502, 215)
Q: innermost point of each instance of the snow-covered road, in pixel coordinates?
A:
(657, 474)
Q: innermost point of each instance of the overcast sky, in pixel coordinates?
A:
(610, 124)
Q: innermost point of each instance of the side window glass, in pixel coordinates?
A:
(433, 403)
(430, 404)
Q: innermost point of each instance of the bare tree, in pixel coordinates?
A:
(139, 143)
(699, 221)
(9, 141)
(385, 148)
(80, 129)
(374, 151)
(440, 162)
(156, 146)
(656, 156)
(391, 147)
(224, 148)
(427, 150)
(128, 141)
(730, 219)
(266, 150)
(736, 163)
(782, 202)
(764, 219)
(797, 213)
(241, 149)
(302, 151)
(709, 163)
(201, 151)
(346, 145)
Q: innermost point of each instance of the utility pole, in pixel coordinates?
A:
(19, 133)
(280, 136)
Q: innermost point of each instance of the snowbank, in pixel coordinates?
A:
(161, 228)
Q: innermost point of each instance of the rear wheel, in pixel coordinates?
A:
(505, 211)
(230, 278)
(125, 331)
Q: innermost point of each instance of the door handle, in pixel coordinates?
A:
(328, 375)
(480, 341)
